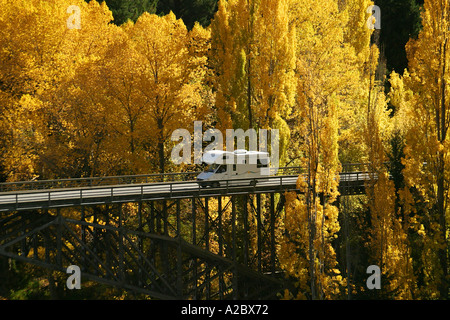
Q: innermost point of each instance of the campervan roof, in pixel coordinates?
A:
(218, 156)
(258, 153)
(215, 156)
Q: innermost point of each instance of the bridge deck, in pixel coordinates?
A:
(66, 197)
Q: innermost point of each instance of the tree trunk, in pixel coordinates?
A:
(441, 215)
(249, 96)
(161, 145)
(442, 132)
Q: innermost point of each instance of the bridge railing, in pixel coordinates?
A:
(58, 198)
(94, 181)
(355, 167)
(143, 179)
(116, 180)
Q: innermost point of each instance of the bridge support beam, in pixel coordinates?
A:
(215, 247)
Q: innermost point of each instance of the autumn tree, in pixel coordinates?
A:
(352, 112)
(38, 132)
(326, 68)
(252, 55)
(425, 117)
(170, 80)
(99, 99)
(388, 241)
(366, 131)
(149, 81)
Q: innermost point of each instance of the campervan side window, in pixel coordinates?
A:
(261, 164)
(212, 167)
(217, 168)
(221, 169)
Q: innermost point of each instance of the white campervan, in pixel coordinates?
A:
(225, 165)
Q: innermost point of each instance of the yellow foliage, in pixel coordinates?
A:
(420, 96)
(253, 56)
(99, 100)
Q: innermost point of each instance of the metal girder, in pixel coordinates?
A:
(176, 263)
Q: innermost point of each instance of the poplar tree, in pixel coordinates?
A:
(171, 77)
(252, 55)
(326, 68)
(40, 57)
(424, 115)
(388, 242)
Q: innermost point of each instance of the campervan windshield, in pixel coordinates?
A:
(216, 168)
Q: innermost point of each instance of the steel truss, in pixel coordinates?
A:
(218, 247)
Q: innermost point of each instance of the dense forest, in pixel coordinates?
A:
(103, 98)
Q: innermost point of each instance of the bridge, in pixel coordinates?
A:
(159, 235)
